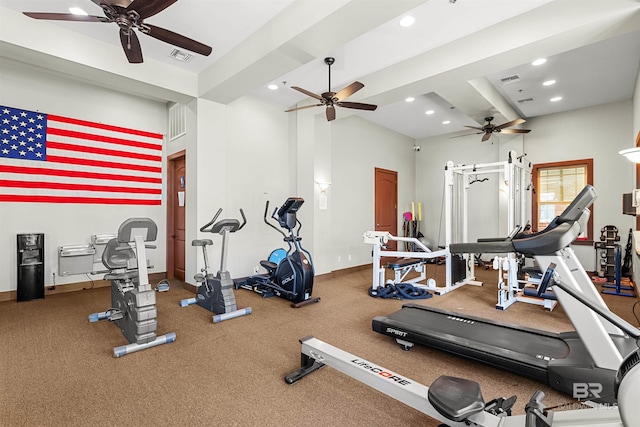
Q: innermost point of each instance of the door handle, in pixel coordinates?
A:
(173, 236)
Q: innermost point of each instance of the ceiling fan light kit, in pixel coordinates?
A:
(331, 99)
(129, 15)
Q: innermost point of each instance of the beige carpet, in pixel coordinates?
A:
(57, 369)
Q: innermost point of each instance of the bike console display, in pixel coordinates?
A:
(286, 215)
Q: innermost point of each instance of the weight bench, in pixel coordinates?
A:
(403, 266)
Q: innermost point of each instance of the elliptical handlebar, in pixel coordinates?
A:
(266, 210)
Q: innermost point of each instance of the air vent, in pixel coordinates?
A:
(177, 121)
(179, 55)
(510, 79)
(526, 100)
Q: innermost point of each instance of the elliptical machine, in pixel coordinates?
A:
(215, 293)
(292, 276)
(133, 301)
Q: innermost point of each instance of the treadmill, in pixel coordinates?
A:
(582, 363)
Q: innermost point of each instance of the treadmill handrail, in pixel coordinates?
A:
(548, 242)
(616, 320)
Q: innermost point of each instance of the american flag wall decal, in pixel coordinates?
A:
(52, 159)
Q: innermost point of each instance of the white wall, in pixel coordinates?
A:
(358, 147)
(256, 162)
(66, 224)
(598, 132)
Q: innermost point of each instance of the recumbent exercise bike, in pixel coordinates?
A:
(291, 276)
(133, 301)
(215, 293)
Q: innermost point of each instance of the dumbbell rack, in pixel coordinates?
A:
(605, 252)
(608, 252)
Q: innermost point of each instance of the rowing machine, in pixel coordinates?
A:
(459, 402)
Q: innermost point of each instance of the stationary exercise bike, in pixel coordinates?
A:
(215, 293)
(290, 277)
(133, 300)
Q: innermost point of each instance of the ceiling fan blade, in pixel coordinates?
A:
(509, 124)
(474, 127)
(348, 91)
(466, 134)
(357, 105)
(302, 108)
(131, 46)
(514, 130)
(486, 136)
(331, 112)
(306, 92)
(66, 17)
(177, 40)
(147, 8)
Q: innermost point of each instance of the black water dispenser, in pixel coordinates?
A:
(30, 266)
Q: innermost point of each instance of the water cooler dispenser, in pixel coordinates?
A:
(30, 266)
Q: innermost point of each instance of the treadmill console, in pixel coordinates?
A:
(574, 211)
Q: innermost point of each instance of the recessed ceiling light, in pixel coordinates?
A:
(407, 21)
(409, 99)
(77, 11)
(429, 112)
(549, 83)
(446, 122)
(555, 99)
(273, 87)
(539, 61)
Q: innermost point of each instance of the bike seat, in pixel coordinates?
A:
(456, 398)
(202, 242)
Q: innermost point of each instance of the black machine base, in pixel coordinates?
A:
(560, 360)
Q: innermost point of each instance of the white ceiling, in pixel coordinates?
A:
(451, 60)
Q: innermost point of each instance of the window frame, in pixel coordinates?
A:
(534, 196)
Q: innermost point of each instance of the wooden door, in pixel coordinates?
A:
(386, 203)
(176, 211)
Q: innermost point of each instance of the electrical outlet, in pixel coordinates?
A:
(256, 269)
(339, 259)
(349, 257)
(54, 272)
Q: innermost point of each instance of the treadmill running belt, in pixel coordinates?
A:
(524, 351)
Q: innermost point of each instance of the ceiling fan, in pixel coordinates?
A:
(331, 99)
(490, 128)
(130, 14)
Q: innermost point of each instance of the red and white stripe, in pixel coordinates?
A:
(88, 162)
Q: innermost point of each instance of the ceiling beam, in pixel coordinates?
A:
(454, 71)
(306, 30)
